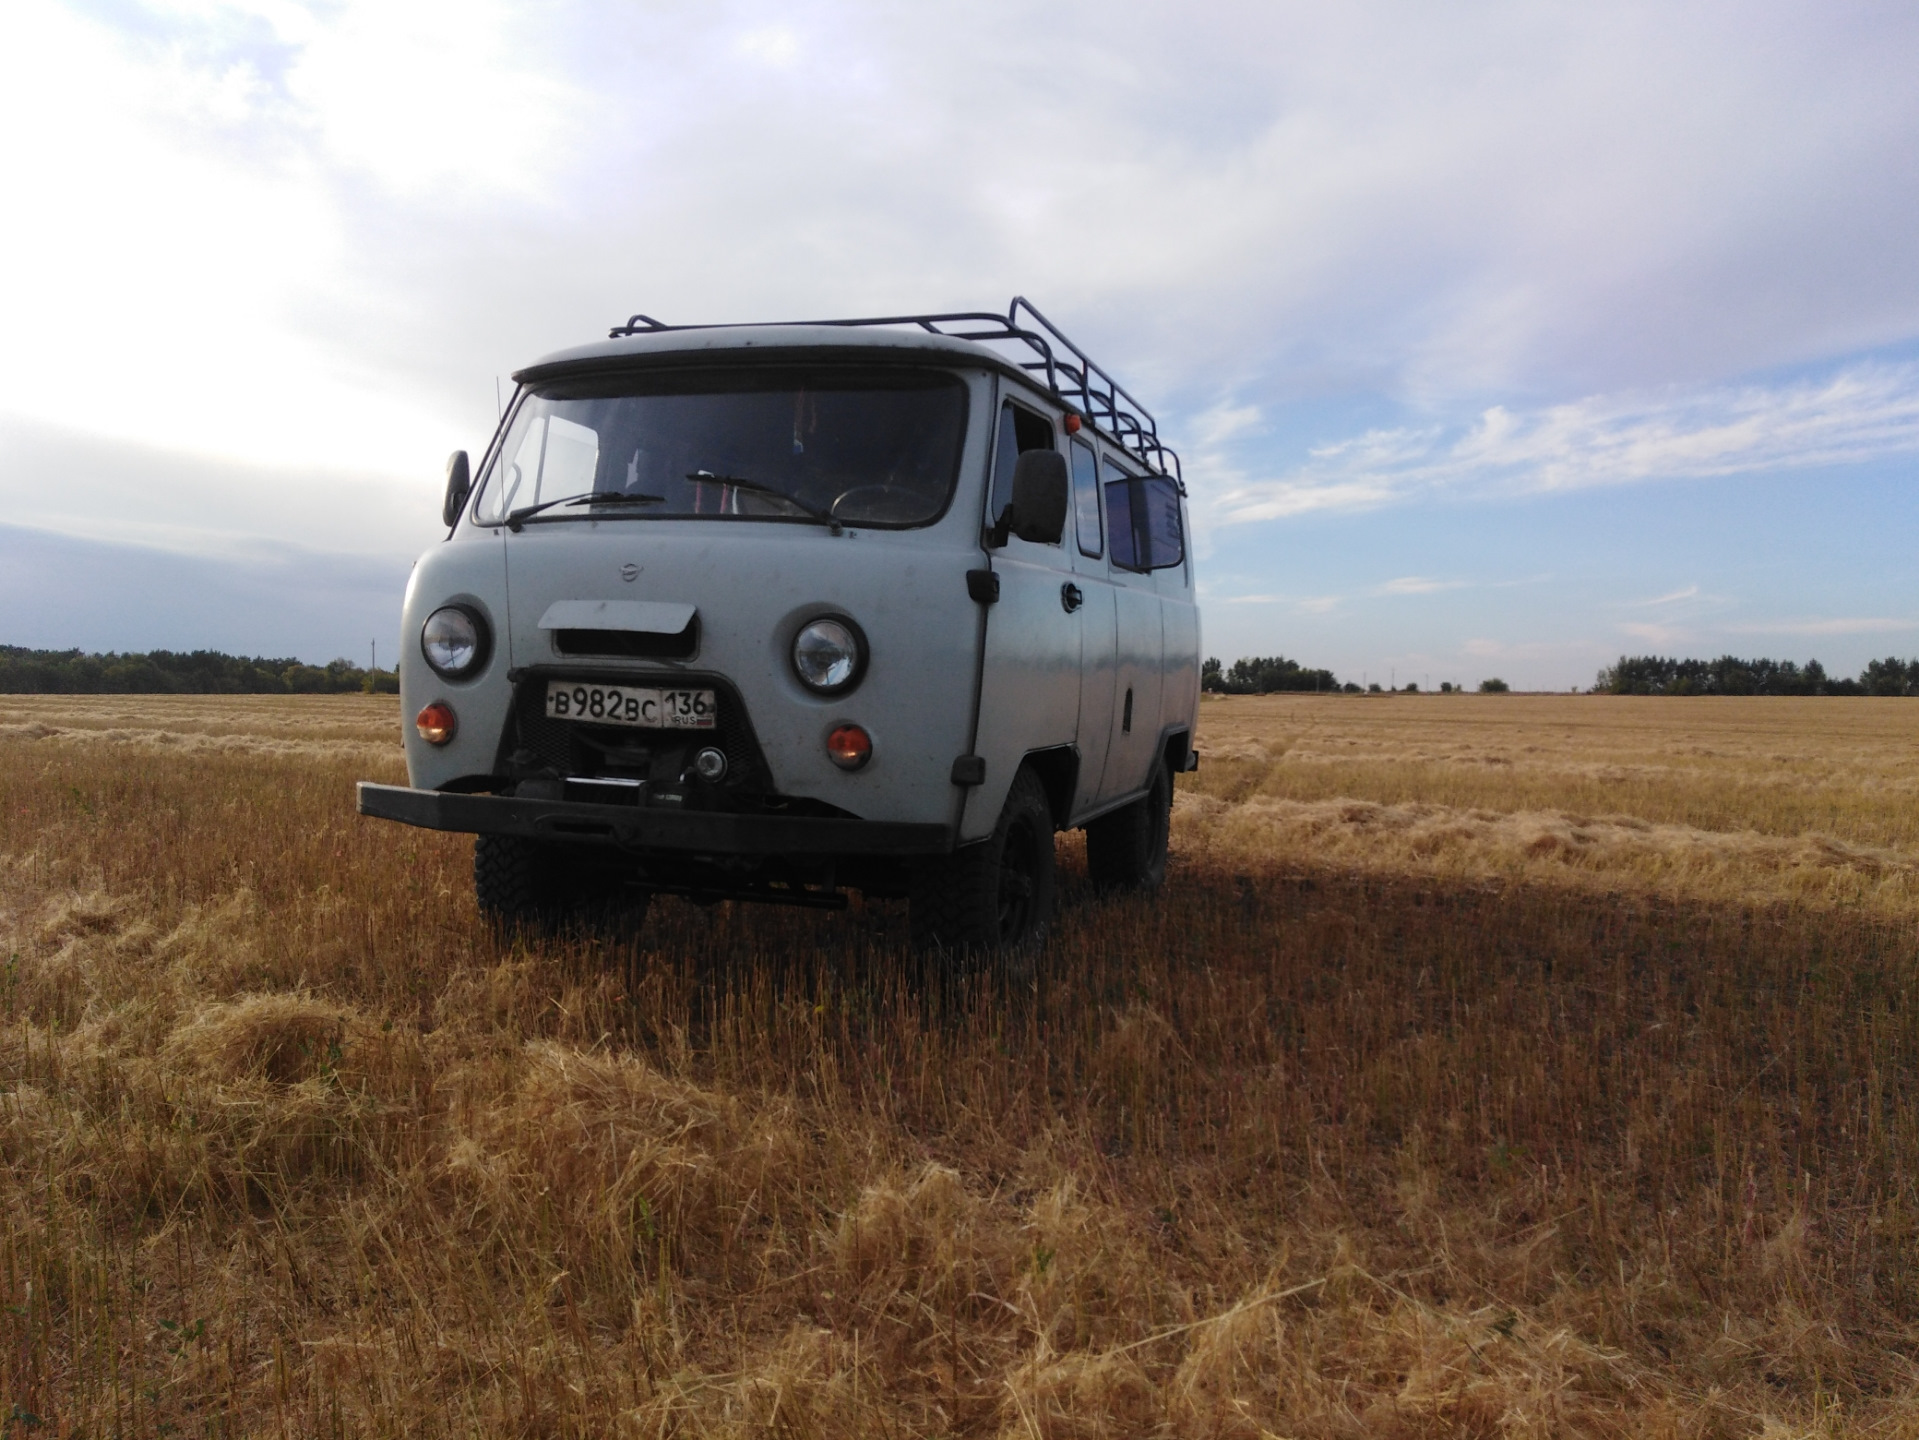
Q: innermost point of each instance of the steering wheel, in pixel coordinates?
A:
(879, 502)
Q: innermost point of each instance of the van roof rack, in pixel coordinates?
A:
(1071, 375)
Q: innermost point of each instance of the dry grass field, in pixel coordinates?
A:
(1489, 1066)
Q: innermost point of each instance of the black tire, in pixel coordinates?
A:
(546, 888)
(1126, 850)
(995, 896)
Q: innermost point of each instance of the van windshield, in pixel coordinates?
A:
(869, 447)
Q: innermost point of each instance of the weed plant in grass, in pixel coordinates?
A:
(1313, 1144)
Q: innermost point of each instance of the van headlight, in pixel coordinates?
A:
(455, 641)
(829, 655)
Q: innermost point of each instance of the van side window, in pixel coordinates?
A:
(1020, 430)
(1142, 517)
(1166, 537)
(1086, 499)
(1119, 516)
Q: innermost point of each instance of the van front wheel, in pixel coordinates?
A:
(544, 887)
(996, 895)
(1126, 850)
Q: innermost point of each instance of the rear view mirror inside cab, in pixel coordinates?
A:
(1037, 511)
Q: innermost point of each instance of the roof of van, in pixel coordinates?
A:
(781, 341)
(1043, 358)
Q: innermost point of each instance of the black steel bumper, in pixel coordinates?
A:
(633, 828)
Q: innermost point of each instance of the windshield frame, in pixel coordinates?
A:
(529, 391)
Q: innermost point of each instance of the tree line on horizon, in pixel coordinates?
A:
(211, 672)
(170, 672)
(1729, 675)
(1630, 675)
(1264, 675)
(1275, 674)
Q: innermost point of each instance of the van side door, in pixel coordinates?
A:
(1179, 615)
(1029, 671)
(1140, 645)
(1099, 634)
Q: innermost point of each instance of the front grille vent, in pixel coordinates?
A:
(638, 644)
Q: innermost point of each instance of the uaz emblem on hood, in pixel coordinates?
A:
(629, 572)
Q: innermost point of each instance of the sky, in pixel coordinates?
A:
(1496, 338)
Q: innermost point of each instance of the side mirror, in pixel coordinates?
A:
(1041, 490)
(459, 485)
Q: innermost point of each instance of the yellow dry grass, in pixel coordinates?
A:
(1501, 1066)
(1758, 800)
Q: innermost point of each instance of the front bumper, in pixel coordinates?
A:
(681, 832)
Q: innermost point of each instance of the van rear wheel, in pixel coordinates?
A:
(1126, 850)
(994, 896)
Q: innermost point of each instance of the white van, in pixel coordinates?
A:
(771, 612)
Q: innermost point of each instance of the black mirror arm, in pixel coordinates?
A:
(997, 532)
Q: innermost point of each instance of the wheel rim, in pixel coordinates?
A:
(1017, 863)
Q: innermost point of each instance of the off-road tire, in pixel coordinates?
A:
(1126, 850)
(546, 888)
(994, 897)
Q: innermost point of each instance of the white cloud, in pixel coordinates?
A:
(1687, 593)
(1301, 604)
(1524, 650)
(1419, 585)
(1881, 625)
(189, 246)
(435, 96)
(90, 488)
(1654, 633)
(775, 46)
(1862, 412)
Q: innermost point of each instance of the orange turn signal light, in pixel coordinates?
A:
(849, 747)
(436, 723)
(1072, 423)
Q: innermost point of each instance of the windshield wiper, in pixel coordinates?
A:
(593, 497)
(760, 487)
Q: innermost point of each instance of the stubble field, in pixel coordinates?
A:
(1489, 1066)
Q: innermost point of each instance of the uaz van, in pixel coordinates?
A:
(771, 612)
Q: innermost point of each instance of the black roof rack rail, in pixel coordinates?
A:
(1072, 375)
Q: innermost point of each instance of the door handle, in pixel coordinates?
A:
(1070, 598)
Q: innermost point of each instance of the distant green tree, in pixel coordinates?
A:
(1263, 675)
(1494, 686)
(1729, 675)
(167, 672)
(1891, 676)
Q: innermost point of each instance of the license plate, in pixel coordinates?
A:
(631, 705)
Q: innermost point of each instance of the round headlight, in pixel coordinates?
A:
(454, 641)
(829, 655)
